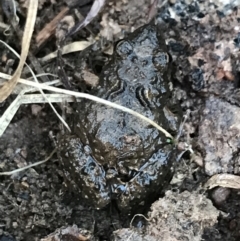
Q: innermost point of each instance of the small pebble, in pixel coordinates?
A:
(220, 195)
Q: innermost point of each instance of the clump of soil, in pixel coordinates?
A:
(177, 217)
(219, 139)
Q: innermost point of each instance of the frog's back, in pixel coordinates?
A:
(137, 78)
(112, 154)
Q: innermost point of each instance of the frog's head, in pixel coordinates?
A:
(144, 46)
(142, 66)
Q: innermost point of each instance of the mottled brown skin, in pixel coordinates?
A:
(112, 154)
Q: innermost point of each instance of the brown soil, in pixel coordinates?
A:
(204, 42)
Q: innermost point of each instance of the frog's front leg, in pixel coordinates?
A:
(83, 172)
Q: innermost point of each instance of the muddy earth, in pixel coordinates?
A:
(203, 40)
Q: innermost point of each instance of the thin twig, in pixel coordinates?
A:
(28, 166)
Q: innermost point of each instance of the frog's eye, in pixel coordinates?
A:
(161, 60)
(124, 48)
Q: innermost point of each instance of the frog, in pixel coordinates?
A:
(111, 155)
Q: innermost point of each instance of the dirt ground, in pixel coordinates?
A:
(204, 41)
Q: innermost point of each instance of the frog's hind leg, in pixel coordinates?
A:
(147, 185)
(83, 172)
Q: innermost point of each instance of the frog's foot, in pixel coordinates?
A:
(83, 171)
(149, 181)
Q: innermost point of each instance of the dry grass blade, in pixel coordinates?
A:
(19, 87)
(99, 100)
(9, 113)
(23, 100)
(54, 98)
(223, 180)
(95, 9)
(70, 48)
(8, 87)
(26, 99)
(35, 79)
